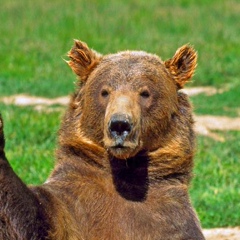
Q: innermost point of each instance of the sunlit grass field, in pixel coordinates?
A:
(36, 35)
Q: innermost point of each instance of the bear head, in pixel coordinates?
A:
(128, 103)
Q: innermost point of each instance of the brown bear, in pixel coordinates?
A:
(124, 158)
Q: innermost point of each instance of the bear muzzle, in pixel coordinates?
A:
(122, 125)
(121, 138)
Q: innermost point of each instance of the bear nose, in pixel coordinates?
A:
(120, 126)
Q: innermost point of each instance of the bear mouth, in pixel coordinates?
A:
(123, 147)
(119, 146)
(123, 151)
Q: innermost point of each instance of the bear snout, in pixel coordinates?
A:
(122, 126)
(119, 127)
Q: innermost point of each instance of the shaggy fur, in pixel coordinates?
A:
(124, 158)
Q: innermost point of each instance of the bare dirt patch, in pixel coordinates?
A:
(38, 103)
(222, 233)
(199, 90)
(27, 100)
(205, 125)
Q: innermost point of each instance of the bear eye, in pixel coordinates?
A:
(145, 94)
(104, 93)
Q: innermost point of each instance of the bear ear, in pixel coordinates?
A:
(182, 65)
(83, 59)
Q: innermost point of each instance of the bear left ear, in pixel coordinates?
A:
(182, 65)
(83, 59)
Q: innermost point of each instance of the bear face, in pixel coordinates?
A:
(128, 101)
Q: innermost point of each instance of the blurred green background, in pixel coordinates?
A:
(36, 35)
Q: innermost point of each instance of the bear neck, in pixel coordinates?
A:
(134, 177)
(130, 177)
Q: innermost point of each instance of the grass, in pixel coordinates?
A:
(215, 188)
(36, 35)
(226, 103)
(30, 141)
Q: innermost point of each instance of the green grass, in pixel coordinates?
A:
(226, 103)
(215, 189)
(36, 35)
(30, 141)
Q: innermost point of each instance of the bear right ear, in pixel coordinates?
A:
(182, 65)
(83, 59)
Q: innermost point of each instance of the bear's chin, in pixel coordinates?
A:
(122, 152)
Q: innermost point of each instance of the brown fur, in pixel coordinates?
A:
(124, 159)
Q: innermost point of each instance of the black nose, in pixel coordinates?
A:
(120, 126)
